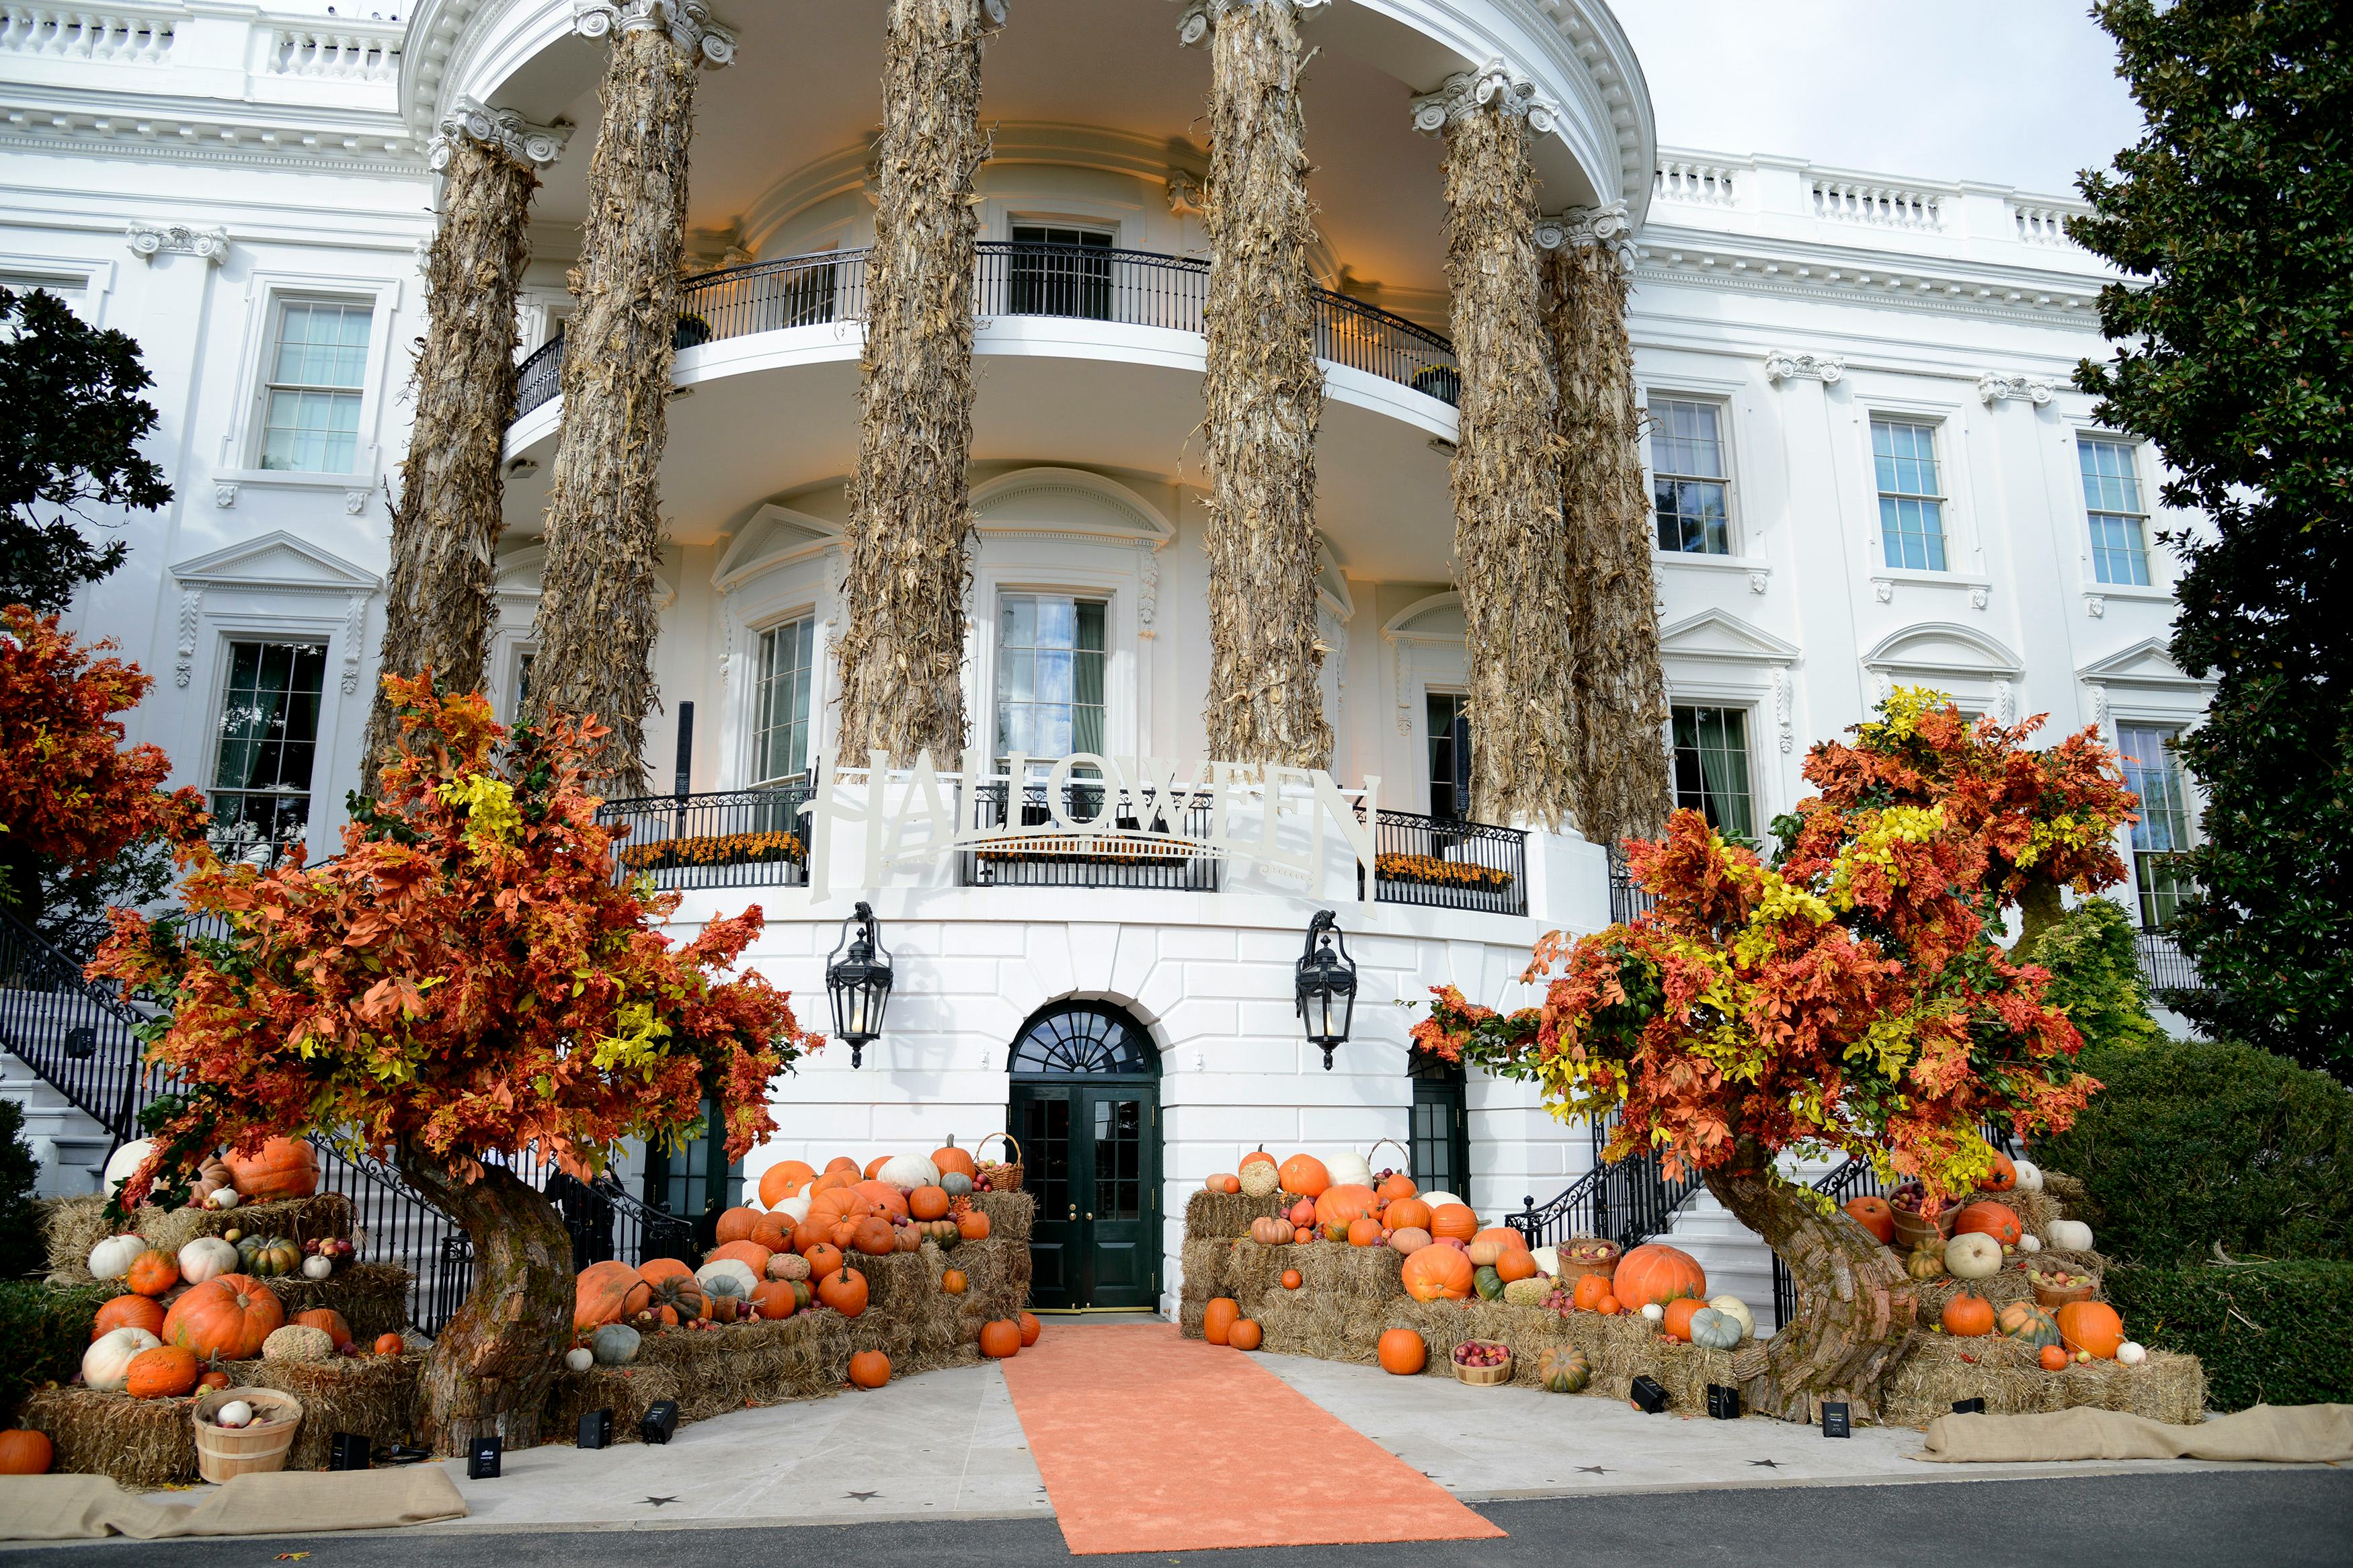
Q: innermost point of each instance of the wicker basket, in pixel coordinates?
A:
(1910, 1230)
(223, 1452)
(1573, 1269)
(1484, 1376)
(1003, 1177)
(1405, 1158)
(2051, 1299)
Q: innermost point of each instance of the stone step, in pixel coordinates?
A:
(70, 1145)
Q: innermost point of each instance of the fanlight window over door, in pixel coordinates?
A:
(1084, 1039)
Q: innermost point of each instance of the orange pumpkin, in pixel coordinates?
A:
(1677, 1322)
(2003, 1177)
(776, 1299)
(1455, 1220)
(328, 1321)
(973, 1226)
(1660, 1273)
(23, 1453)
(1587, 1295)
(809, 1234)
(874, 1166)
(869, 1369)
(129, 1312)
(1875, 1216)
(824, 1259)
(1000, 1338)
(1290, 1280)
(950, 1159)
(1403, 1351)
(1516, 1264)
(928, 1202)
(153, 1272)
(284, 1168)
(843, 1164)
(2092, 1326)
(1968, 1315)
(212, 1380)
(1407, 1213)
(1302, 1236)
(1245, 1335)
(1303, 1174)
(1364, 1231)
(1999, 1221)
(953, 1281)
(833, 1181)
(672, 1293)
(832, 1210)
(887, 1200)
(874, 1237)
(2053, 1358)
(1438, 1273)
(1302, 1213)
(1218, 1317)
(386, 1344)
(844, 1290)
(1031, 1330)
(1395, 1185)
(166, 1372)
(737, 1224)
(784, 1179)
(227, 1316)
(1609, 1306)
(1340, 1205)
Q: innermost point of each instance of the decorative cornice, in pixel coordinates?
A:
(1466, 92)
(502, 130)
(146, 239)
(1993, 385)
(1188, 194)
(1200, 18)
(688, 23)
(1781, 365)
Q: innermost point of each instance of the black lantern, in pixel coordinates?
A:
(859, 981)
(1327, 984)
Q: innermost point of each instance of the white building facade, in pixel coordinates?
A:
(1870, 469)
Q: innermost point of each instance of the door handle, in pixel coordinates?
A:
(1074, 1211)
(1090, 1216)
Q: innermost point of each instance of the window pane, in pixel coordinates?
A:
(1051, 670)
(2112, 504)
(1710, 768)
(781, 704)
(269, 734)
(321, 344)
(1449, 755)
(2152, 771)
(1688, 494)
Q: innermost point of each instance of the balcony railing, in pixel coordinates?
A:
(1049, 862)
(735, 838)
(1079, 282)
(1450, 865)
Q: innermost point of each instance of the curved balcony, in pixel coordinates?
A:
(1075, 282)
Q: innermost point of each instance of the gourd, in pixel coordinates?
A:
(1436, 1198)
(1437, 1273)
(318, 1265)
(1304, 1175)
(1968, 1315)
(615, 1345)
(1489, 1284)
(269, 1256)
(1564, 1369)
(1268, 1231)
(1364, 1231)
(228, 1317)
(1987, 1218)
(386, 1344)
(2030, 1242)
(1219, 1316)
(1657, 1272)
(2092, 1326)
(1528, 1292)
(1258, 1156)
(2131, 1354)
(221, 1198)
(1410, 1240)
(2053, 1358)
(153, 1272)
(974, 1226)
(956, 1183)
(297, 1342)
(579, 1358)
(1972, 1254)
(284, 1168)
(1348, 1169)
(106, 1365)
(908, 1171)
(124, 1163)
(955, 1281)
(132, 1312)
(1402, 1352)
(23, 1453)
(780, 1298)
(112, 1258)
(604, 1293)
(787, 1266)
(1927, 1261)
(727, 1277)
(2027, 1175)
(1002, 1338)
(2066, 1234)
(1245, 1335)
(1713, 1330)
(1654, 1312)
(869, 1369)
(2028, 1324)
(750, 1254)
(166, 1372)
(794, 1210)
(951, 1161)
(1735, 1309)
(672, 1293)
(1224, 1182)
(1260, 1179)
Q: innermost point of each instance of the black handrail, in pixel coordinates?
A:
(1049, 861)
(1081, 283)
(1628, 899)
(1627, 1201)
(82, 1040)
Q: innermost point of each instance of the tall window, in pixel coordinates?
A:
(1911, 496)
(780, 717)
(1450, 754)
(522, 685)
(1049, 675)
(2152, 771)
(269, 731)
(1060, 282)
(1712, 768)
(1687, 478)
(318, 364)
(2112, 501)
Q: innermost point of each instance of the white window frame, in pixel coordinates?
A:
(1965, 566)
(986, 738)
(1941, 456)
(1750, 704)
(757, 632)
(2159, 587)
(266, 295)
(21, 273)
(2175, 725)
(1733, 538)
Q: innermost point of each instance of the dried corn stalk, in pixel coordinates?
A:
(909, 541)
(1619, 708)
(1265, 398)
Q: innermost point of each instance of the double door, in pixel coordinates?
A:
(1090, 1149)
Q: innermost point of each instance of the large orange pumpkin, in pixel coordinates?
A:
(869, 1369)
(328, 1321)
(285, 1168)
(166, 1372)
(1875, 1216)
(1303, 1174)
(1999, 1221)
(2003, 1178)
(784, 1179)
(1364, 1231)
(750, 1254)
(1517, 1263)
(1455, 1220)
(23, 1453)
(1403, 1351)
(1407, 1213)
(1218, 1317)
(1438, 1273)
(949, 1158)
(776, 1299)
(2092, 1326)
(1968, 1315)
(604, 1293)
(1000, 1339)
(737, 1224)
(928, 1202)
(1660, 1273)
(1677, 1322)
(844, 1290)
(1586, 1297)
(1342, 1204)
(1245, 1335)
(227, 1316)
(130, 1313)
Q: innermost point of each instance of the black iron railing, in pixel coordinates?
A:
(1050, 860)
(734, 838)
(82, 1040)
(1629, 900)
(2164, 965)
(1627, 1202)
(1449, 864)
(1131, 287)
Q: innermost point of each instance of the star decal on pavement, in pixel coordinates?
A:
(657, 1501)
(1768, 1464)
(1591, 1470)
(861, 1496)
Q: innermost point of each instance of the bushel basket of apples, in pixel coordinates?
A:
(1482, 1363)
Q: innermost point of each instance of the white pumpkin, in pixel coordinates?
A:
(207, 1257)
(795, 1209)
(1434, 1199)
(2066, 1234)
(1654, 1312)
(579, 1358)
(106, 1365)
(1735, 1309)
(112, 1258)
(2030, 1242)
(236, 1413)
(2030, 1176)
(2132, 1353)
(908, 1171)
(1973, 1255)
(317, 1268)
(1547, 1260)
(222, 1198)
(1346, 1169)
(736, 1272)
(124, 1163)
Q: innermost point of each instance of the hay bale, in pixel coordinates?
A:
(629, 1392)
(996, 1274)
(1227, 1214)
(1010, 1214)
(2034, 1210)
(1203, 1260)
(1940, 1369)
(374, 1396)
(1254, 1271)
(71, 1227)
(737, 1366)
(372, 1296)
(1369, 1273)
(142, 1443)
(2074, 1198)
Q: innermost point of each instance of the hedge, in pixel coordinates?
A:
(46, 1329)
(2193, 1143)
(2268, 1333)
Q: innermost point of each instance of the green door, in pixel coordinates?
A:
(1085, 1104)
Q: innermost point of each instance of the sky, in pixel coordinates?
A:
(2009, 92)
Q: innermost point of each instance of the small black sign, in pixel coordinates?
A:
(660, 1423)
(595, 1428)
(1969, 1406)
(81, 1044)
(1835, 1422)
(347, 1451)
(482, 1458)
(1722, 1403)
(1650, 1395)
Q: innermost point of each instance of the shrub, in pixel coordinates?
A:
(46, 1330)
(2269, 1334)
(2193, 1143)
(24, 1249)
(2095, 974)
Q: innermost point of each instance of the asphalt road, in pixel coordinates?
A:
(2301, 1519)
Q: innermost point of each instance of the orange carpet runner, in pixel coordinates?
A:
(1152, 1442)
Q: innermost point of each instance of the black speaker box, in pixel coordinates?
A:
(660, 1423)
(1649, 1394)
(1969, 1406)
(482, 1458)
(595, 1428)
(347, 1451)
(1722, 1403)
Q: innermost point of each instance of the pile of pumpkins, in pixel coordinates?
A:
(1343, 1199)
(2078, 1334)
(1667, 1288)
(143, 1348)
(282, 1168)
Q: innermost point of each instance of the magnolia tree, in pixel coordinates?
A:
(1845, 998)
(465, 982)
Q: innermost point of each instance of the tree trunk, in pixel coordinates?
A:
(597, 625)
(1509, 559)
(1619, 710)
(494, 1364)
(908, 546)
(445, 532)
(1856, 1304)
(2039, 908)
(1265, 398)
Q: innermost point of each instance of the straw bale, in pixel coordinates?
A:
(1371, 1273)
(2010, 1285)
(996, 1276)
(2034, 1210)
(1228, 1215)
(2075, 1200)
(374, 1396)
(1203, 1259)
(2004, 1373)
(140, 1441)
(1010, 1214)
(1253, 1272)
(74, 1225)
(629, 1392)
(739, 1366)
(372, 1296)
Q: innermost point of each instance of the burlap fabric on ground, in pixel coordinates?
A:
(2004, 1373)
(74, 1225)
(79, 1508)
(2290, 1433)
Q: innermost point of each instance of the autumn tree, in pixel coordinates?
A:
(466, 983)
(1845, 999)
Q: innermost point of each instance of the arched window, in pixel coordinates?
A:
(1083, 1037)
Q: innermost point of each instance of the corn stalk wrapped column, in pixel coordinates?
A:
(595, 627)
(1617, 712)
(1264, 392)
(445, 530)
(1510, 562)
(908, 546)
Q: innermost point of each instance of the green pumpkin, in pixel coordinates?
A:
(268, 1257)
(615, 1345)
(957, 1184)
(1714, 1331)
(1564, 1369)
(1490, 1283)
(2029, 1325)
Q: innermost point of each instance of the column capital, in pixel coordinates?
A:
(1784, 365)
(688, 23)
(1465, 92)
(1584, 229)
(502, 130)
(1200, 17)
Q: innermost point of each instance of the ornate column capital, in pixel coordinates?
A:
(1587, 228)
(1783, 366)
(688, 23)
(1993, 386)
(1200, 17)
(503, 130)
(149, 239)
(1466, 92)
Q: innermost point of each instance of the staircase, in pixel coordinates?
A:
(70, 1144)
